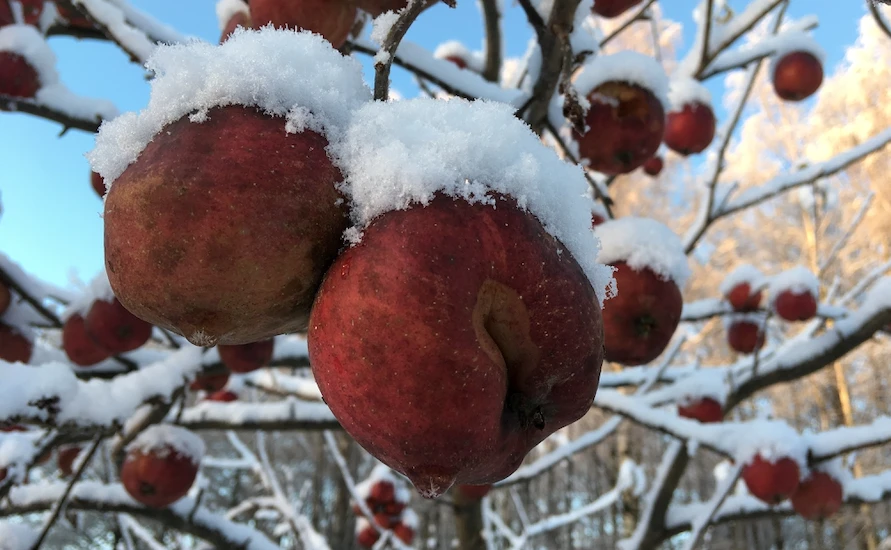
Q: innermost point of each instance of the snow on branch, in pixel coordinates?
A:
(290, 414)
(111, 17)
(705, 309)
(185, 515)
(768, 46)
(831, 443)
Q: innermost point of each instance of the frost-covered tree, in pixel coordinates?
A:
(562, 300)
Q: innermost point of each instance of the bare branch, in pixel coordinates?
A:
(637, 16)
(492, 21)
(383, 61)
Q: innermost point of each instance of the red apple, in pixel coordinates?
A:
(818, 497)
(159, 477)
(368, 536)
(98, 184)
(333, 19)
(372, 505)
(66, 458)
(771, 481)
(653, 166)
(13, 346)
(74, 17)
(239, 19)
(79, 346)
(223, 396)
(459, 62)
(743, 299)
(32, 9)
(797, 75)
(625, 125)
(382, 492)
(377, 7)
(691, 129)
(5, 298)
(474, 492)
(705, 410)
(210, 383)
(795, 306)
(404, 533)
(17, 77)
(472, 336)
(114, 328)
(386, 520)
(639, 322)
(13, 428)
(393, 508)
(745, 336)
(247, 357)
(613, 8)
(210, 239)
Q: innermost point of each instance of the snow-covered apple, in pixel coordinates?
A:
(818, 496)
(161, 465)
(97, 183)
(366, 534)
(243, 358)
(704, 409)
(771, 480)
(625, 122)
(114, 328)
(65, 459)
(14, 346)
(457, 53)
(223, 226)
(18, 78)
(690, 124)
(404, 533)
(797, 75)
(333, 19)
(745, 335)
(793, 294)
(742, 297)
(653, 166)
(31, 11)
(743, 288)
(81, 348)
(613, 8)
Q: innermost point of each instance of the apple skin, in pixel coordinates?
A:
(653, 166)
(625, 124)
(368, 537)
(771, 482)
(17, 77)
(474, 492)
(639, 322)
(13, 346)
(114, 328)
(158, 479)
(705, 410)
(225, 241)
(74, 17)
(377, 7)
(410, 330)
(795, 306)
(5, 298)
(240, 19)
(797, 76)
(460, 63)
(79, 346)
(66, 458)
(247, 357)
(745, 337)
(742, 298)
(382, 492)
(818, 497)
(222, 396)
(404, 533)
(333, 19)
(210, 383)
(98, 184)
(613, 8)
(31, 9)
(691, 129)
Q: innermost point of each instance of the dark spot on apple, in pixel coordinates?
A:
(644, 325)
(624, 157)
(146, 488)
(538, 419)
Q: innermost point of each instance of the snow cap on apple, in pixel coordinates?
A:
(27, 63)
(793, 294)
(161, 465)
(165, 438)
(625, 66)
(644, 243)
(382, 473)
(690, 124)
(457, 53)
(774, 456)
(795, 42)
(227, 9)
(743, 286)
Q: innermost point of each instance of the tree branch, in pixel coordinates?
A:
(383, 60)
(492, 21)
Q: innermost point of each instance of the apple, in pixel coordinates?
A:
(613, 8)
(247, 357)
(210, 383)
(5, 298)
(17, 77)
(98, 184)
(792, 305)
(639, 322)
(14, 347)
(191, 246)
(742, 298)
(158, 477)
(459, 62)
(377, 7)
(393, 508)
(238, 19)
(367, 535)
(31, 9)
(74, 17)
(653, 166)
(386, 520)
(114, 328)
(222, 396)
(691, 129)
(797, 75)
(382, 492)
(454, 338)
(705, 410)
(474, 492)
(625, 124)
(333, 19)
(818, 496)
(745, 336)
(66, 458)
(771, 481)
(404, 533)
(79, 346)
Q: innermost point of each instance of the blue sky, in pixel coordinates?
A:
(51, 221)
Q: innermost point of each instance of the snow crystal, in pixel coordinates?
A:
(772, 439)
(626, 66)
(796, 42)
(227, 9)
(160, 438)
(27, 42)
(643, 242)
(798, 279)
(99, 289)
(381, 25)
(294, 75)
(744, 273)
(684, 91)
(453, 48)
(398, 154)
(16, 536)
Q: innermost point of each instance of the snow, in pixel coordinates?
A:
(381, 26)
(625, 66)
(362, 524)
(453, 48)
(743, 273)
(399, 154)
(643, 243)
(27, 42)
(288, 410)
(796, 42)
(798, 279)
(160, 439)
(707, 382)
(114, 20)
(99, 289)
(16, 536)
(685, 91)
(835, 468)
(754, 317)
(410, 519)
(297, 76)
(772, 440)
(227, 9)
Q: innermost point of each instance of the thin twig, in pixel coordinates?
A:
(701, 523)
(638, 15)
(383, 61)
